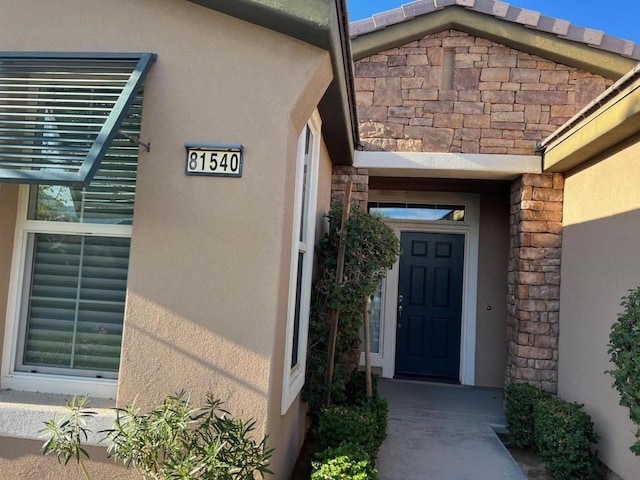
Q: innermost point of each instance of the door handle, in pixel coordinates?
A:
(399, 325)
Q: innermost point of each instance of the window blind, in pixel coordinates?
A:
(76, 303)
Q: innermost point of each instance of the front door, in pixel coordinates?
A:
(429, 306)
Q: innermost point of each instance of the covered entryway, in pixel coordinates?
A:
(429, 306)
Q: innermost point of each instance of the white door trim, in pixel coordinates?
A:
(470, 228)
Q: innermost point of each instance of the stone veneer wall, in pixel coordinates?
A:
(359, 191)
(534, 280)
(503, 100)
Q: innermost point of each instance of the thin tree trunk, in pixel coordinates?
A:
(367, 348)
(333, 326)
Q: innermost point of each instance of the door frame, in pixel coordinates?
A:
(470, 228)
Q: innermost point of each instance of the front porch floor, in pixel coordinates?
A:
(444, 432)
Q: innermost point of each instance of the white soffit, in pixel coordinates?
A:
(447, 165)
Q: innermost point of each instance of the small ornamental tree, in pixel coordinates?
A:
(371, 249)
(624, 348)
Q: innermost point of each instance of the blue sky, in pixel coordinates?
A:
(619, 18)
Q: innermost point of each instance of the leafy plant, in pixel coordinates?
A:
(65, 436)
(371, 248)
(521, 399)
(624, 349)
(363, 424)
(564, 434)
(173, 441)
(345, 462)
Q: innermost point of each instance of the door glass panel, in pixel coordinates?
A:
(375, 319)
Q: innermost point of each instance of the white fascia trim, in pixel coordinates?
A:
(448, 165)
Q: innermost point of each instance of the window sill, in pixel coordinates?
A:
(23, 414)
(60, 384)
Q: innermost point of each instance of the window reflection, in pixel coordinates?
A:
(424, 212)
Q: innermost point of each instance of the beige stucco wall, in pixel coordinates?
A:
(23, 459)
(491, 310)
(8, 206)
(209, 265)
(600, 262)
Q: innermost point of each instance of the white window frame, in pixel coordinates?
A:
(45, 382)
(293, 378)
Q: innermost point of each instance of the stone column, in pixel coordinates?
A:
(360, 191)
(534, 280)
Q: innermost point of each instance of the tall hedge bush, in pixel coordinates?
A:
(624, 348)
(521, 399)
(564, 434)
(371, 249)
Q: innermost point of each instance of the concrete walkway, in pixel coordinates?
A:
(443, 432)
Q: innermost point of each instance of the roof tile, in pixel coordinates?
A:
(421, 7)
(389, 17)
(523, 16)
(361, 27)
(584, 35)
(553, 25)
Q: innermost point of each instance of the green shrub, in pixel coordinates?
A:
(363, 424)
(564, 435)
(521, 399)
(355, 388)
(624, 348)
(345, 462)
(173, 441)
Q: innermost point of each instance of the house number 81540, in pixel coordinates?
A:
(222, 160)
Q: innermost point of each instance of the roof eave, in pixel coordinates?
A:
(546, 45)
(609, 120)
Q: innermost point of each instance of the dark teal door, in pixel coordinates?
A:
(429, 306)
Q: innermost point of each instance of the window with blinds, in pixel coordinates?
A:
(77, 235)
(75, 304)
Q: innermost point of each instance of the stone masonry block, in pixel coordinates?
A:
(509, 60)
(546, 240)
(453, 120)
(533, 226)
(495, 75)
(466, 78)
(547, 194)
(477, 121)
(534, 352)
(524, 75)
(533, 97)
(407, 112)
(437, 139)
(546, 341)
(535, 328)
(530, 278)
(388, 91)
(473, 108)
(507, 117)
(544, 292)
